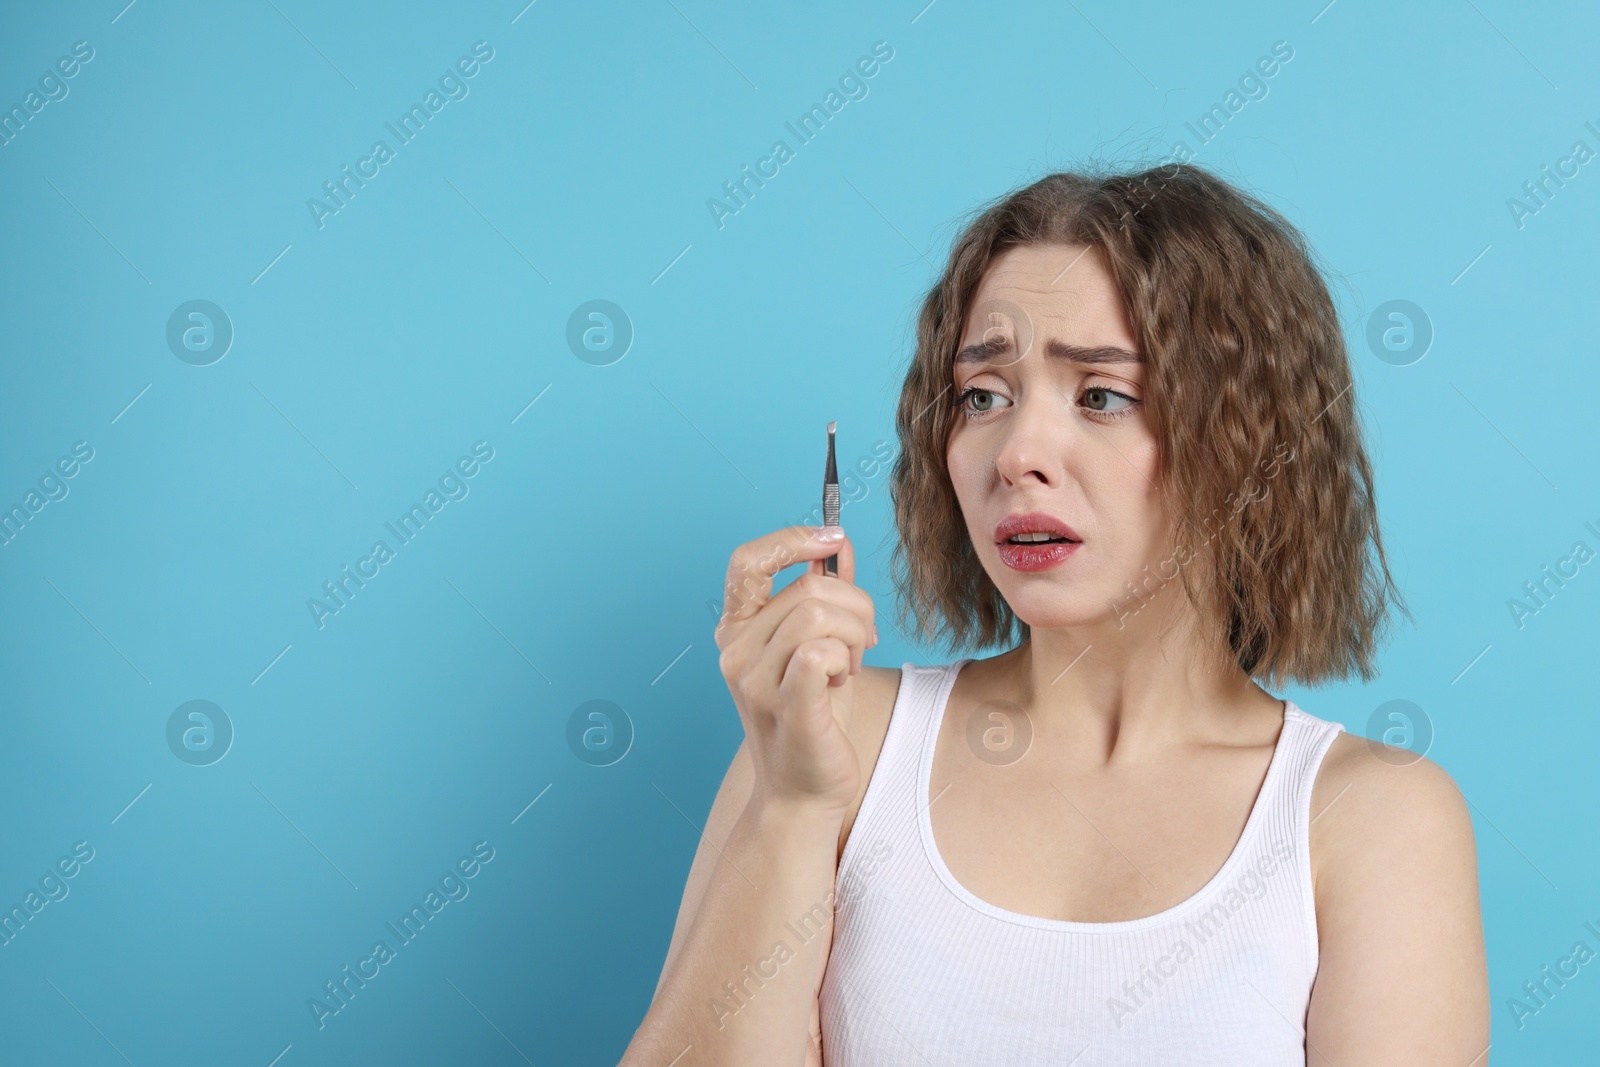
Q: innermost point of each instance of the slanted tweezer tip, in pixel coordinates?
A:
(831, 425)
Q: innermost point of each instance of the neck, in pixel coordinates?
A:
(1121, 690)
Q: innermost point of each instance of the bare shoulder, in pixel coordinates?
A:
(1376, 809)
(1402, 976)
(875, 692)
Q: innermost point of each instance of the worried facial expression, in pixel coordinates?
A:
(1051, 421)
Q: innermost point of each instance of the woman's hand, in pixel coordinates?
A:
(789, 660)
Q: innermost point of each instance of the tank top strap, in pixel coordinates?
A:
(1307, 741)
(924, 693)
(1313, 737)
(885, 827)
(1301, 748)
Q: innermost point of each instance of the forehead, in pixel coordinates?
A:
(1035, 294)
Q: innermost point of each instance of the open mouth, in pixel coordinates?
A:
(1036, 551)
(1034, 541)
(1039, 539)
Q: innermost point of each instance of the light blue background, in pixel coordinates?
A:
(429, 312)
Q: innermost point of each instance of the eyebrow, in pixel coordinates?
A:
(1093, 355)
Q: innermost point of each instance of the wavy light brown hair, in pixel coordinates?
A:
(1245, 359)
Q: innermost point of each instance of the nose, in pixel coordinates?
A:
(1038, 439)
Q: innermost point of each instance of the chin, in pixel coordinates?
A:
(1043, 611)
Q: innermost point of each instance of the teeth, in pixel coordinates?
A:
(1035, 538)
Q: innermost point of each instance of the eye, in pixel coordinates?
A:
(984, 401)
(1098, 399)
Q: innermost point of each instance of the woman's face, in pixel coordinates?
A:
(1052, 420)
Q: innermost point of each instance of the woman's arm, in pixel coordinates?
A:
(1402, 980)
(732, 796)
(739, 986)
(730, 801)
(731, 930)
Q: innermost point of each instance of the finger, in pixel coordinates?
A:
(809, 674)
(813, 619)
(758, 632)
(754, 647)
(753, 564)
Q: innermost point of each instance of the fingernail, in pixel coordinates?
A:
(830, 533)
(874, 633)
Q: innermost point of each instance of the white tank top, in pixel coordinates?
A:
(924, 973)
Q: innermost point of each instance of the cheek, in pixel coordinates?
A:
(1143, 450)
(970, 465)
(1139, 491)
(966, 469)
(1130, 511)
(957, 460)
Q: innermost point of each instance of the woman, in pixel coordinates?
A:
(1130, 452)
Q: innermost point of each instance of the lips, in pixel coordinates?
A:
(1033, 522)
(1037, 555)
